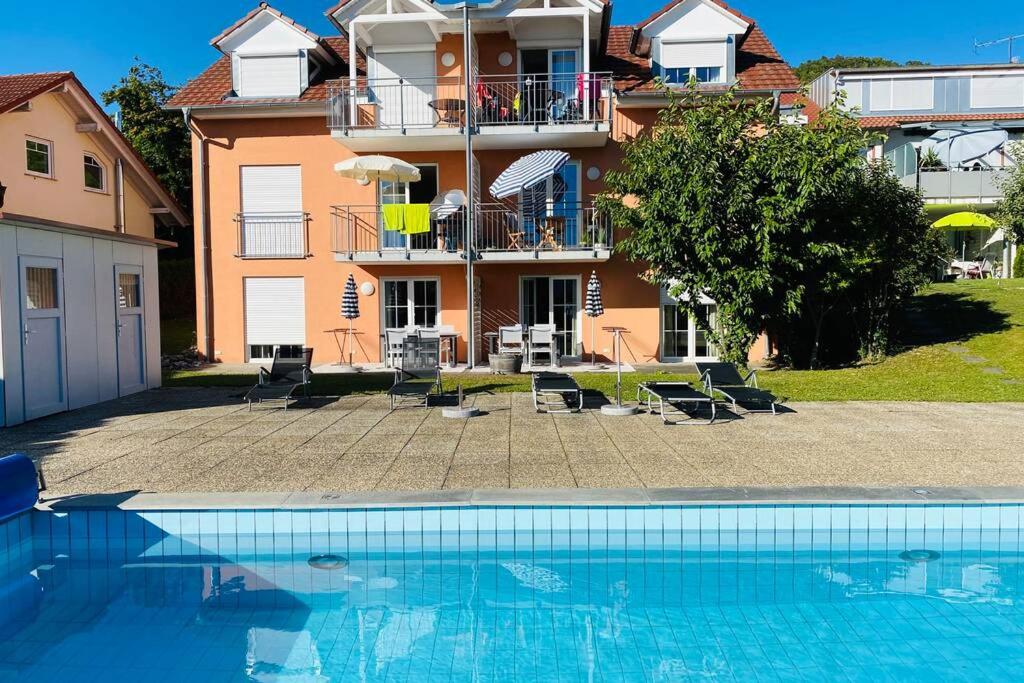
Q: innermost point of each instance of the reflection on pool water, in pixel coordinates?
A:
(503, 594)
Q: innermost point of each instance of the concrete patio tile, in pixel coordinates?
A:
(463, 458)
(428, 460)
(538, 456)
(347, 478)
(431, 444)
(412, 477)
(380, 443)
(594, 457)
(605, 476)
(541, 476)
(368, 459)
(478, 477)
(678, 476)
(330, 443)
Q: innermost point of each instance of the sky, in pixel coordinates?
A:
(99, 42)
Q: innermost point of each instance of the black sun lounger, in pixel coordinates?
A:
(548, 385)
(286, 376)
(681, 398)
(726, 380)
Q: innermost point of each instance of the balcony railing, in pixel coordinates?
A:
(563, 227)
(536, 100)
(959, 185)
(272, 235)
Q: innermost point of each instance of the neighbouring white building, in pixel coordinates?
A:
(79, 306)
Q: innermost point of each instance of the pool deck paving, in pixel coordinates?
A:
(207, 441)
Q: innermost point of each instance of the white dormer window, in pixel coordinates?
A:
(695, 39)
(270, 75)
(703, 74)
(704, 60)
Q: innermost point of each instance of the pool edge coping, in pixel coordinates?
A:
(812, 495)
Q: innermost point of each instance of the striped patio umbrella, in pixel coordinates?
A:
(528, 171)
(350, 309)
(594, 309)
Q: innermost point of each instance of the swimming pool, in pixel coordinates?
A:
(476, 593)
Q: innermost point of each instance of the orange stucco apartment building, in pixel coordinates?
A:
(278, 231)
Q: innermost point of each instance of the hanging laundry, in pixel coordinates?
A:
(394, 217)
(417, 219)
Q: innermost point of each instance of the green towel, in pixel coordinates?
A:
(394, 217)
(417, 219)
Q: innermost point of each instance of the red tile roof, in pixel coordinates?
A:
(758, 65)
(897, 121)
(18, 89)
(213, 86)
(259, 8)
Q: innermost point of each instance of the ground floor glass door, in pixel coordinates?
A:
(131, 330)
(553, 301)
(43, 336)
(682, 337)
(413, 302)
(422, 191)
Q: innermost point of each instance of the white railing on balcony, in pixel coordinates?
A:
(272, 235)
(398, 104)
(561, 227)
(958, 185)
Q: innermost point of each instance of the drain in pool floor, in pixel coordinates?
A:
(919, 555)
(328, 562)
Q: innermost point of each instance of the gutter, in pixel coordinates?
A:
(203, 225)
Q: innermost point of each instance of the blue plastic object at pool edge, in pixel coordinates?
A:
(19, 485)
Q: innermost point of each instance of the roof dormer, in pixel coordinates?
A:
(694, 38)
(271, 55)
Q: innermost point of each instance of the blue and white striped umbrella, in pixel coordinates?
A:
(594, 308)
(350, 300)
(530, 170)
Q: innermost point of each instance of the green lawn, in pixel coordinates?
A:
(966, 344)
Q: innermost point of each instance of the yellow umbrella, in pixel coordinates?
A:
(965, 220)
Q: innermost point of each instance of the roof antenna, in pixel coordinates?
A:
(1013, 59)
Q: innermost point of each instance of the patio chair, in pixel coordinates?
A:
(286, 376)
(510, 339)
(541, 342)
(435, 333)
(419, 373)
(681, 399)
(726, 380)
(548, 385)
(393, 338)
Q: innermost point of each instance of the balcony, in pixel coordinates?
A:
(272, 235)
(510, 111)
(959, 186)
(564, 232)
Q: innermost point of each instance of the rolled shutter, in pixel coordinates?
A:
(680, 55)
(271, 189)
(276, 76)
(275, 310)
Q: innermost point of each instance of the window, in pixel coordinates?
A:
(411, 302)
(682, 337)
(94, 175)
(129, 290)
(262, 352)
(37, 157)
(992, 92)
(902, 94)
(269, 76)
(275, 316)
(41, 288)
(703, 74)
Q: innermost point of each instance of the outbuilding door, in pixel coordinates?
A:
(43, 336)
(131, 330)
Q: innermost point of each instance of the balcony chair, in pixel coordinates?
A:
(418, 373)
(510, 339)
(541, 342)
(285, 377)
(726, 380)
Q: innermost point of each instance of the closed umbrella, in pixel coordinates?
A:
(350, 309)
(594, 309)
(376, 167)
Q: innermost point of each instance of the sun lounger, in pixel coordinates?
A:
(724, 379)
(680, 397)
(418, 374)
(548, 385)
(285, 377)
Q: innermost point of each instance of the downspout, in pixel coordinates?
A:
(202, 226)
(467, 68)
(119, 221)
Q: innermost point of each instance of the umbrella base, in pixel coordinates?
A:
(612, 410)
(460, 413)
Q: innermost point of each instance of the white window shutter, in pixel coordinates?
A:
(271, 189)
(275, 311)
(275, 76)
(913, 93)
(690, 54)
(993, 92)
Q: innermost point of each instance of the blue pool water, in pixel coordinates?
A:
(525, 594)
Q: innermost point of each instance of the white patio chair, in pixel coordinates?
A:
(435, 333)
(542, 343)
(510, 339)
(393, 339)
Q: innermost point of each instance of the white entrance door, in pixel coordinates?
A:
(403, 89)
(43, 336)
(131, 330)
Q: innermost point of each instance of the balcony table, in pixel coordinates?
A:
(448, 110)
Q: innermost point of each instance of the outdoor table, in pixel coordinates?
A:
(448, 110)
(341, 348)
(492, 342)
(451, 338)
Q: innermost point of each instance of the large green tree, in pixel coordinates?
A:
(1010, 210)
(812, 68)
(769, 219)
(160, 136)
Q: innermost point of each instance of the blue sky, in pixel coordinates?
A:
(99, 44)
